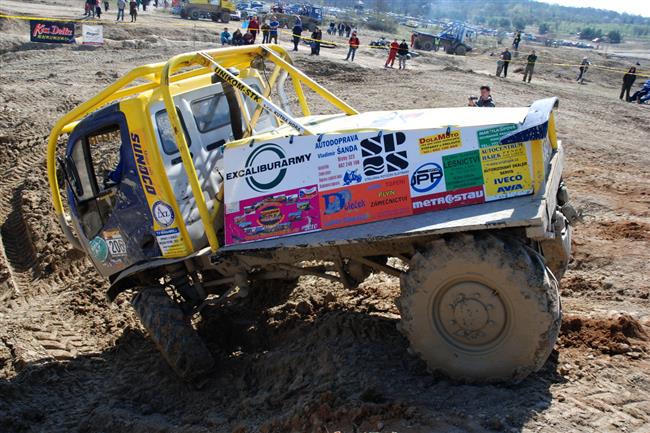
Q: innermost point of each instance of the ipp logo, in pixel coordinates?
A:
(426, 177)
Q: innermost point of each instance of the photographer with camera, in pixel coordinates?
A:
(485, 100)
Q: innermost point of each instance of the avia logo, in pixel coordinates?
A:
(342, 200)
(426, 177)
(380, 154)
(266, 167)
(508, 179)
(509, 188)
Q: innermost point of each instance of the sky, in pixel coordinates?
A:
(635, 7)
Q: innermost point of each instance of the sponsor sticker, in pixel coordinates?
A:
(491, 136)
(384, 155)
(426, 177)
(167, 239)
(506, 171)
(163, 213)
(449, 199)
(449, 139)
(92, 35)
(99, 249)
(366, 202)
(289, 212)
(266, 167)
(463, 170)
(61, 32)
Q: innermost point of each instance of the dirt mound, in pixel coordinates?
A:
(625, 230)
(614, 335)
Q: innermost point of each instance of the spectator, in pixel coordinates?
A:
(516, 40)
(254, 27)
(500, 65)
(121, 4)
(225, 37)
(90, 8)
(98, 10)
(530, 66)
(331, 30)
(133, 10)
(628, 82)
(485, 100)
(413, 39)
(316, 35)
(507, 57)
(354, 44)
(237, 38)
(341, 29)
(584, 65)
(392, 53)
(275, 25)
(296, 32)
(348, 29)
(403, 54)
(266, 29)
(248, 37)
(105, 5)
(643, 95)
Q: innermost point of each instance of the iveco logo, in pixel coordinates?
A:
(266, 167)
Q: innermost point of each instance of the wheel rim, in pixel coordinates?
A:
(470, 315)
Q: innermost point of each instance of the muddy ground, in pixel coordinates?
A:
(317, 357)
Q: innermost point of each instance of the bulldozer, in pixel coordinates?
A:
(192, 182)
(216, 10)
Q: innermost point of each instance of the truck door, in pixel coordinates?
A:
(105, 194)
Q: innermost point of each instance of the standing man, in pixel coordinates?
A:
(275, 25)
(628, 81)
(254, 27)
(105, 5)
(354, 44)
(392, 53)
(266, 29)
(121, 4)
(348, 29)
(297, 32)
(530, 66)
(403, 53)
(133, 11)
(516, 40)
(507, 57)
(584, 65)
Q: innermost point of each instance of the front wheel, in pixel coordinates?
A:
(172, 333)
(480, 308)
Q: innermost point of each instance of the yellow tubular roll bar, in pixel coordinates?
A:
(162, 76)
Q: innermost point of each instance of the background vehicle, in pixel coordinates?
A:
(200, 184)
(311, 16)
(216, 10)
(453, 39)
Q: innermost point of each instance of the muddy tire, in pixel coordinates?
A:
(173, 334)
(480, 308)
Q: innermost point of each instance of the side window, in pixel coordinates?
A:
(104, 148)
(167, 135)
(211, 113)
(266, 122)
(79, 172)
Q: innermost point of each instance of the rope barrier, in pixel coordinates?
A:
(326, 42)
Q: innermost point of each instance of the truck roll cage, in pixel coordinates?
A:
(221, 63)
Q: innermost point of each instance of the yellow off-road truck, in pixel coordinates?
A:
(216, 10)
(192, 182)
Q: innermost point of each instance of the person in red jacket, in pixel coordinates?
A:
(392, 53)
(254, 27)
(354, 44)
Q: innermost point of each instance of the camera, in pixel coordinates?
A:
(473, 98)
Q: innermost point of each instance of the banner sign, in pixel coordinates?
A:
(60, 32)
(92, 35)
(307, 183)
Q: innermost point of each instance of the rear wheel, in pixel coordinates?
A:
(460, 50)
(225, 17)
(427, 46)
(172, 333)
(480, 308)
(194, 14)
